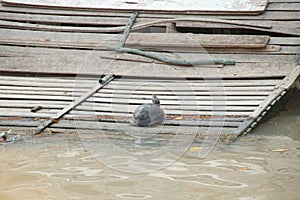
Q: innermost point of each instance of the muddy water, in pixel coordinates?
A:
(263, 165)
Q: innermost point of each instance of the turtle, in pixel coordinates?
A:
(149, 114)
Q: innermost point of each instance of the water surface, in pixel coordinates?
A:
(263, 165)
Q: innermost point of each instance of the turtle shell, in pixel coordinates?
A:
(148, 115)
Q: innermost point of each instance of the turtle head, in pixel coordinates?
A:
(155, 99)
(3, 136)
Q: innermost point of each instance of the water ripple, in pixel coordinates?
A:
(203, 179)
(133, 196)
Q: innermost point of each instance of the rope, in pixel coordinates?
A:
(158, 57)
(127, 28)
(170, 60)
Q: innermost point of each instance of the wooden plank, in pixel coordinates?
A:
(165, 40)
(147, 85)
(191, 120)
(29, 103)
(183, 98)
(75, 113)
(286, 83)
(186, 87)
(284, 1)
(29, 89)
(282, 27)
(133, 101)
(283, 6)
(123, 108)
(124, 68)
(143, 92)
(187, 93)
(193, 112)
(172, 102)
(104, 81)
(22, 112)
(49, 79)
(274, 15)
(133, 80)
(285, 27)
(65, 124)
(45, 84)
(286, 41)
(184, 123)
(32, 103)
(167, 108)
(51, 93)
(36, 97)
(4, 7)
(54, 39)
(67, 19)
(189, 84)
(159, 41)
(41, 27)
(80, 55)
(210, 82)
(174, 6)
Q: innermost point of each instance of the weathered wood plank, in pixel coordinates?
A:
(36, 97)
(47, 113)
(167, 123)
(15, 112)
(193, 113)
(130, 89)
(167, 96)
(239, 6)
(283, 6)
(123, 108)
(274, 15)
(129, 81)
(282, 27)
(284, 1)
(28, 89)
(4, 7)
(209, 82)
(132, 101)
(286, 41)
(65, 124)
(168, 108)
(46, 84)
(73, 66)
(174, 102)
(217, 86)
(286, 83)
(194, 119)
(165, 40)
(41, 27)
(159, 41)
(45, 103)
(186, 87)
(76, 90)
(49, 79)
(79, 55)
(67, 19)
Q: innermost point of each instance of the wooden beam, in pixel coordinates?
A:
(236, 6)
(160, 41)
